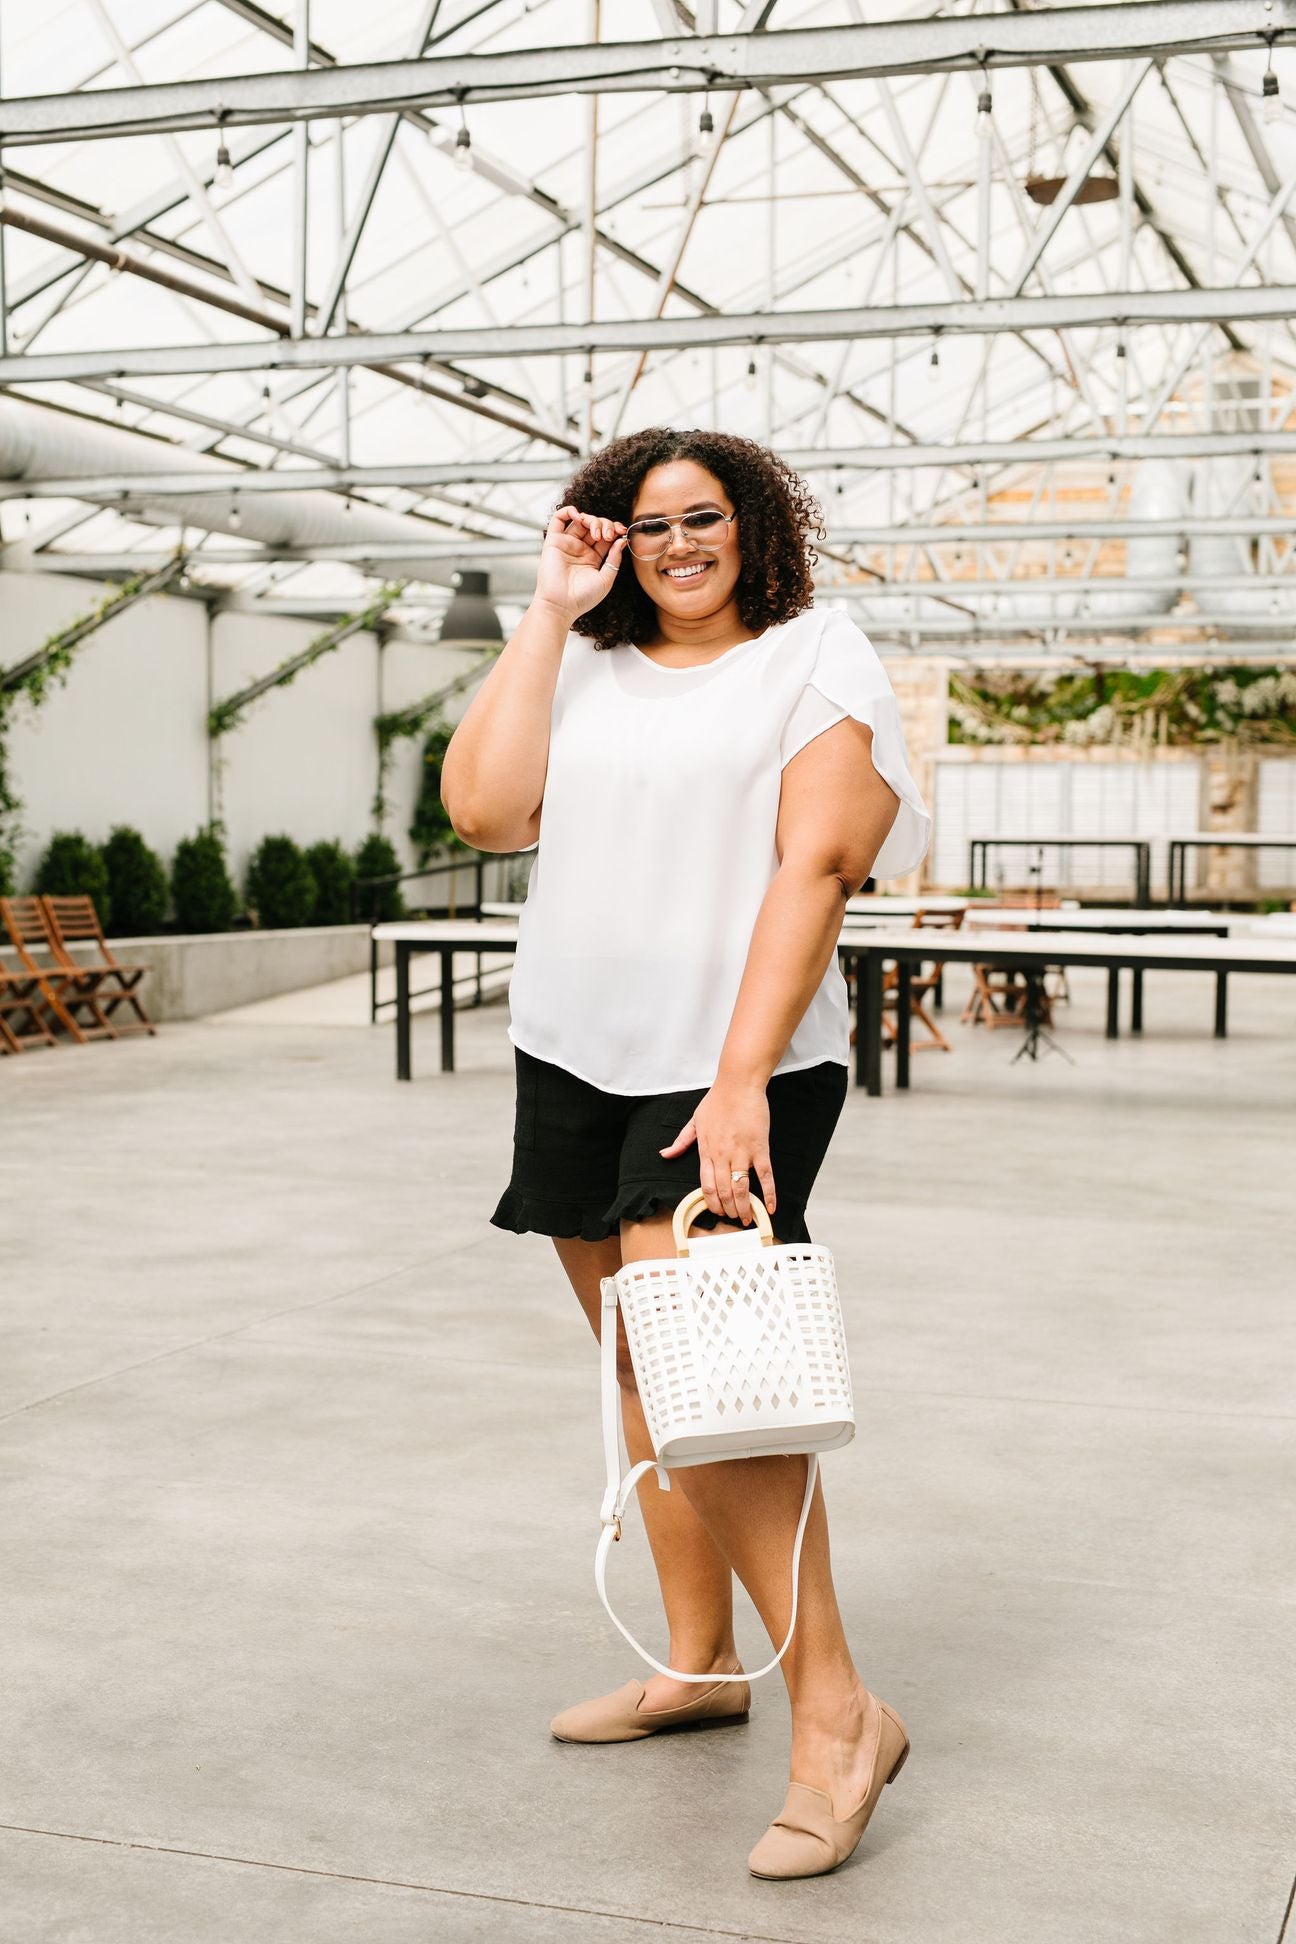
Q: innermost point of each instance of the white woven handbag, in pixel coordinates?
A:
(739, 1352)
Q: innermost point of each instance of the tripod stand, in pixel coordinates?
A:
(1035, 1007)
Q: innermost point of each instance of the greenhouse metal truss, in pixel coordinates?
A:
(325, 301)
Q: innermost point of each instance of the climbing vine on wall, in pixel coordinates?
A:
(228, 714)
(403, 724)
(33, 678)
(9, 808)
(1121, 708)
(389, 730)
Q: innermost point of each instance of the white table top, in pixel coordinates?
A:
(1252, 839)
(446, 931)
(879, 905)
(1064, 837)
(1096, 918)
(1057, 947)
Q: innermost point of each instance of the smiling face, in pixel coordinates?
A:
(688, 582)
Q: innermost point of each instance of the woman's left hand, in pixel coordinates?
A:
(731, 1127)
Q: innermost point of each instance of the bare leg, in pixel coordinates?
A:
(696, 1581)
(751, 1508)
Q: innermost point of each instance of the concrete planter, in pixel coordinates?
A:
(212, 971)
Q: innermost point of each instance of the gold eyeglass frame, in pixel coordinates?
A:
(678, 520)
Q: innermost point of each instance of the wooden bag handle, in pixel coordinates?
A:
(693, 1204)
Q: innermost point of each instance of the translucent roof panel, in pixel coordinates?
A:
(844, 193)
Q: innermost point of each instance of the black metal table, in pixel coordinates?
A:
(1025, 952)
(1138, 924)
(1178, 848)
(980, 847)
(445, 937)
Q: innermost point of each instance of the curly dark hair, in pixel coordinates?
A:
(778, 512)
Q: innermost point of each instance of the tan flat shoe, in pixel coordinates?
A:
(807, 1838)
(618, 1717)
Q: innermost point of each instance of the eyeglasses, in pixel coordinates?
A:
(706, 528)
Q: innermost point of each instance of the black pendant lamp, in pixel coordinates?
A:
(470, 621)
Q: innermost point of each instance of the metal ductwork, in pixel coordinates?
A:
(1160, 492)
(38, 443)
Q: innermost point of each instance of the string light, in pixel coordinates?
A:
(235, 517)
(224, 172)
(463, 143)
(985, 110)
(986, 115)
(1270, 99)
(933, 367)
(706, 138)
(276, 423)
(751, 375)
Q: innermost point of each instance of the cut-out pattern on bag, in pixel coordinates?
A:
(755, 1341)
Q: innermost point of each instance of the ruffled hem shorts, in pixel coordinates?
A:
(585, 1160)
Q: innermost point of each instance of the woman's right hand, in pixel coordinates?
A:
(579, 560)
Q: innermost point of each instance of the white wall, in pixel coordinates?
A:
(409, 671)
(301, 762)
(126, 740)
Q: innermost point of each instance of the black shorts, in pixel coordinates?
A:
(583, 1160)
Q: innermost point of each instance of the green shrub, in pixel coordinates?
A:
(431, 830)
(137, 885)
(334, 875)
(280, 888)
(72, 867)
(202, 891)
(375, 858)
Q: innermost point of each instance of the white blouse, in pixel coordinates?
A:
(657, 846)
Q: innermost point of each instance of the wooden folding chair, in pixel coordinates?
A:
(66, 996)
(22, 1022)
(998, 996)
(74, 921)
(1058, 989)
(923, 985)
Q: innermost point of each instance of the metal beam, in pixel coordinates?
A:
(373, 554)
(681, 64)
(136, 266)
(1097, 309)
(423, 475)
(1080, 172)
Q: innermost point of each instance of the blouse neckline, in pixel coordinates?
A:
(695, 668)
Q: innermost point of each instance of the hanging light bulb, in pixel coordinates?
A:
(276, 422)
(224, 172)
(235, 517)
(706, 135)
(933, 367)
(1270, 99)
(463, 144)
(750, 380)
(985, 111)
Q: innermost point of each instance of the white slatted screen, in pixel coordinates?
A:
(1276, 817)
(1103, 799)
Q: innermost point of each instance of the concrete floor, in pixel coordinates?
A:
(297, 1566)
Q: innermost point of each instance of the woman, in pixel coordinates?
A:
(719, 766)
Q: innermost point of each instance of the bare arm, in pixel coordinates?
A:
(493, 774)
(834, 814)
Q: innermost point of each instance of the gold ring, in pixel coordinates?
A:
(740, 1174)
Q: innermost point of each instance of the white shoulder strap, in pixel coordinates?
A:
(617, 1493)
